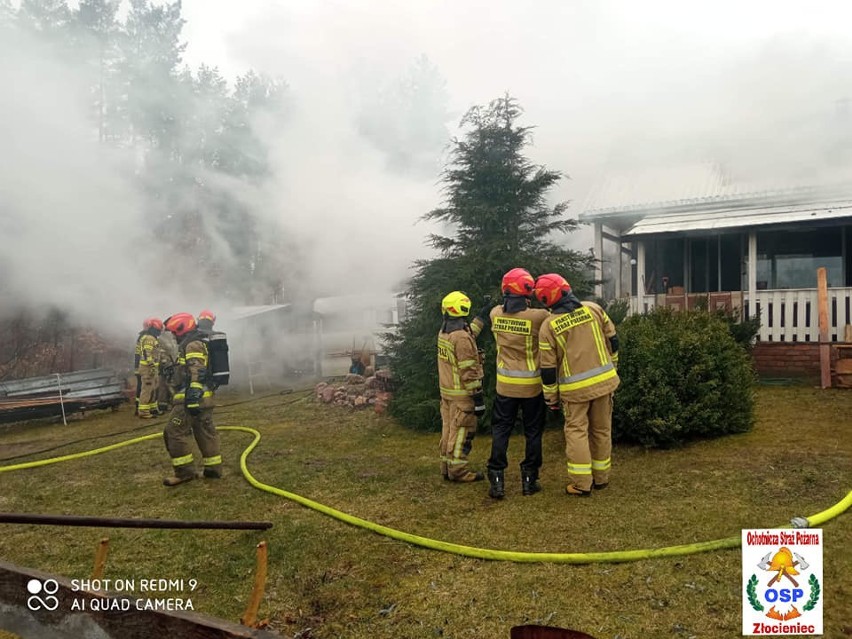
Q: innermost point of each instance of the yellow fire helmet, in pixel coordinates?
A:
(783, 560)
(456, 304)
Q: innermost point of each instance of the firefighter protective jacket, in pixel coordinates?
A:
(459, 367)
(146, 352)
(192, 369)
(167, 356)
(576, 345)
(517, 338)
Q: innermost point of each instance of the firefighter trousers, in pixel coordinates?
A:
(588, 441)
(503, 418)
(458, 428)
(164, 394)
(147, 386)
(138, 391)
(178, 435)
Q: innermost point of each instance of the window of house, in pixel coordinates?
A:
(716, 263)
(664, 264)
(732, 248)
(704, 264)
(790, 259)
(848, 249)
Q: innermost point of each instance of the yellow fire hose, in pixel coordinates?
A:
(468, 551)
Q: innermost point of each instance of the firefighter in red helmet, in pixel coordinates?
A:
(579, 348)
(192, 412)
(515, 327)
(147, 368)
(460, 383)
(205, 321)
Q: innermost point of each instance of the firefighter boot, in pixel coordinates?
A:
(495, 478)
(470, 476)
(571, 489)
(529, 483)
(175, 480)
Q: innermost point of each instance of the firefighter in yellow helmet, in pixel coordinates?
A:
(579, 349)
(515, 327)
(192, 413)
(147, 368)
(460, 382)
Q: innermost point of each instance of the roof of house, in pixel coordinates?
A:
(354, 302)
(702, 197)
(244, 312)
(716, 221)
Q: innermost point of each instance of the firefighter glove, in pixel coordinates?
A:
(485, 312)
(478, 404)
(193, 400)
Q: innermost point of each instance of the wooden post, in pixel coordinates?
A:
(619, 267)
(824, 346)
(599, 259)
(250, 617)
(752, 276)
(100, 558)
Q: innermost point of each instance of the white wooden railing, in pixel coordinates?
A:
(786, 315)
(793, 315)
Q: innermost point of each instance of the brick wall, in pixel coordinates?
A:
(787, 359)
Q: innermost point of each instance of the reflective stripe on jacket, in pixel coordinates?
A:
(146, 347)
(459, 368)
(576, 345)
(517, 339)
(191, 370)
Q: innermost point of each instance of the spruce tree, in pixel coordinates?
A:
(497, 216)
(96, 31)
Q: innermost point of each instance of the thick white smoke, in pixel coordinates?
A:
(609, 86)
(72, 231)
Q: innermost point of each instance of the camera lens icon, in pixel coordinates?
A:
(47, 588)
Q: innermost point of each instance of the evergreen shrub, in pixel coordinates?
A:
(683, 377)
(617, 310)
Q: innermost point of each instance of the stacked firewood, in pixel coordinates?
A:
(358, 391)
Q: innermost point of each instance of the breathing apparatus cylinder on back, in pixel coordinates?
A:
(217, 348)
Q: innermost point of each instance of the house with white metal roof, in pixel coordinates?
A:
(694, 236)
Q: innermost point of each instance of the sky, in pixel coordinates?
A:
(611, 87)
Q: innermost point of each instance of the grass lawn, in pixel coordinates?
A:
(328, 579)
